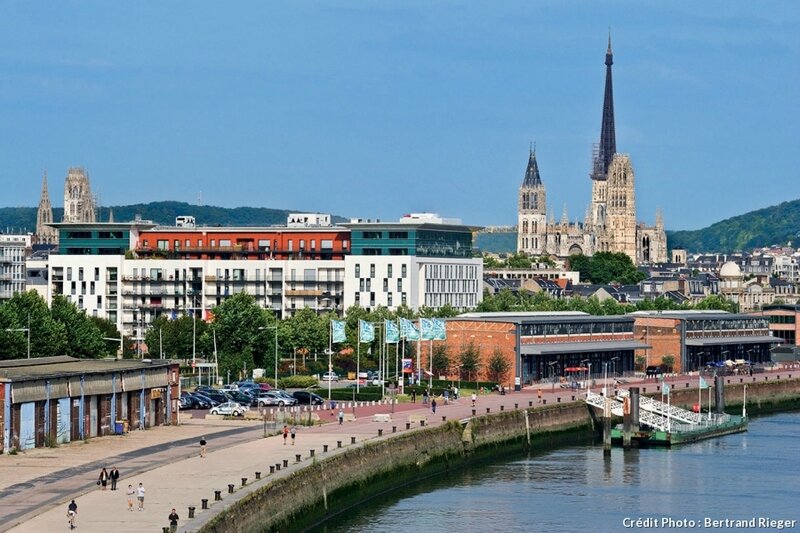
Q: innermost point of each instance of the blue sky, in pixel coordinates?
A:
(376, 109)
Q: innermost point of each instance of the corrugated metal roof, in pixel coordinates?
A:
(62, 365)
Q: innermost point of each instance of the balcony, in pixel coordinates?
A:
(304, 292)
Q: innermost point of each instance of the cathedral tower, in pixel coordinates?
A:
(45, 234)
(532, 211)
(78, 200)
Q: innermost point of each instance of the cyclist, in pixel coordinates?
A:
(72, 510)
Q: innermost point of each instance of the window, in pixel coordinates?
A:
(389, 270)
(177, 244)
(403, 271)
(325, 244)
(372, 234)
(199, 243)
(313, 244)
(358, 270)
(80, 274)
(385, 284)
(291, 245)
(69, 273)
(361, 284)
(372, 270)
(97, 274)
(403, 300)
(188, 243)
(225, 243)
(398, 235)
(162, 244)
(358, 298)
(399, 284)
(302, 244)
(389, 300)
(369, 284)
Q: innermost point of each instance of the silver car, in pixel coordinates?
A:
(275, 397)
(229, 408)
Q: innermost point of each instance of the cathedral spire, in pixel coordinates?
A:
(608, 138)
(532, 178)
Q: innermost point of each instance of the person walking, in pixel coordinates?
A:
(341, 416)
(294, 433)
(455, 393)
(539, 395)
(285, 433)
(140, 496)
(433, 405)
(474, 397)
(203, 446)
(173, 521)
(425, 397)
(103, 479)
(131, 493)
(114, 478)
(72, 511)
(413, 396)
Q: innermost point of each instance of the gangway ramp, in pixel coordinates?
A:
(617, 409)
(660, 408)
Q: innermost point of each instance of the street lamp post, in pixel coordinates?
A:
(615, 359)
(587, 375)
(552, 373)
(275, 327)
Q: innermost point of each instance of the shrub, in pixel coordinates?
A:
(297, 382)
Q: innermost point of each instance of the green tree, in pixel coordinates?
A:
(491, 262)
(48, 336)
(441, 359)
(243, 335)
(469, 360)
(498, 366)
(84, 338)
(519, 260)
(716, 301)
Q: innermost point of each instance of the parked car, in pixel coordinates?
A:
(229, 408)
(216, 395)
(305, 397)
(274, 397)
(240, 397)
(330, 376)
(194, 401)
(211, 402)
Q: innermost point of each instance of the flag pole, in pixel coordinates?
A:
(330, 352)
(358, 359)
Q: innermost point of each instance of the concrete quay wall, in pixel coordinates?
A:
(341, 481)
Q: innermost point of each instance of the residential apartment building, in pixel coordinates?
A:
(13, 249)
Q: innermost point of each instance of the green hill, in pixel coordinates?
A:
(776, 225)
(24, 218)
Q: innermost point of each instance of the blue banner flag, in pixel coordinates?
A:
(392, 331)
(665, 390)
(337, 331)
(366, 331)
(703, 384)
(426, 330)
(439, 330)
(408, 330)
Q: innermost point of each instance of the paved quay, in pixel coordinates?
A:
(167, 462)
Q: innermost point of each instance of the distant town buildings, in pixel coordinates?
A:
(610, 222)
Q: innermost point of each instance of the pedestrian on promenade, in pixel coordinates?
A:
(294, 433)
(114, 478)
(474, 397)
(285, 433)
(72, 511)
(173, 521)
(130, 493)
(446, 395)
(341, 416)
(455, 393)
(425, 397)
(103, 479)
(202, 446)
(413, 396)
(433, 405)
(140, 496)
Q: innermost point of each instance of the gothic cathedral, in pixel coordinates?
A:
(610, 221)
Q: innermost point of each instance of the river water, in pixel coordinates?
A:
(753, 475)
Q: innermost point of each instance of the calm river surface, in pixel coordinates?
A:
(745, 476)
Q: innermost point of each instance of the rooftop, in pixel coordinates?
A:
(64, 365)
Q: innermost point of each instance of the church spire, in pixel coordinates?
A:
(608, 138)
(532, 178)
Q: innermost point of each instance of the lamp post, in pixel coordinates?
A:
(587, 375)
(552, 373)
(275, 327)
(615, 359)
(605, 378)
(28, 330)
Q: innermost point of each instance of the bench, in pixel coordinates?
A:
(381, 417)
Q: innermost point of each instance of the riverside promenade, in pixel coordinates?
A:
(35, 487)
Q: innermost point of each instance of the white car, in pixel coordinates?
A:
(229, 408)
(330, 376)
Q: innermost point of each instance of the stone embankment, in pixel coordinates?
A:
(343, 480)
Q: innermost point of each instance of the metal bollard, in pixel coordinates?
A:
(217, 495)
(258, 475)
(297, 458)
(277, 466)
(558, 400)
(530, 403)
(338, 444)
(244, 481)
(473, 412)
(394, 429)
(204, 503)
(311, 453)
(286, 463)
(444, 418)
(352, 440)
(488, 409)
(544, 401)
(573, 397)
(230, 488)
(380, 432)
(325, 448)
(271, 469)
(191, 511)
(408, 425)
(502, 407)
(516, 405)
(422, 423)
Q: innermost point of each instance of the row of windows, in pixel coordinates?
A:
(263, 244)
(782, 319)
(365, 284)
(575, 328)
(390, 299)
(436, 271)
(459, 301)
(451, 285)
(727, 324)
(389, 270)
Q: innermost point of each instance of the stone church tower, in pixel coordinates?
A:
(610, 223)
(44, 215)
(78, 200)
